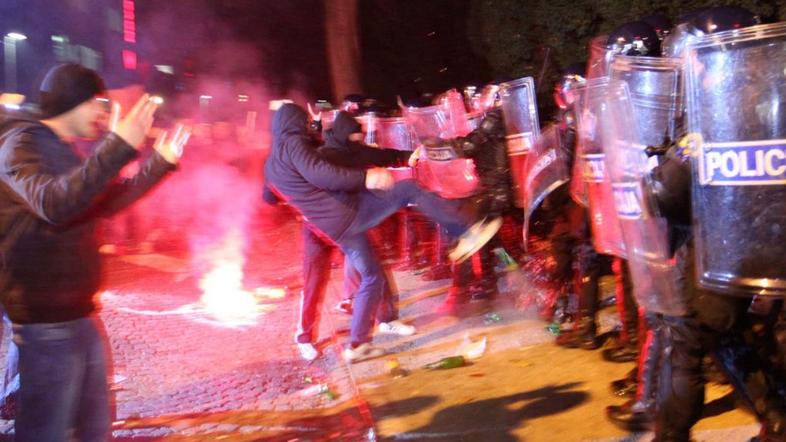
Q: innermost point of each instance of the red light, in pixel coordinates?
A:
(129, 21)
(129, 59)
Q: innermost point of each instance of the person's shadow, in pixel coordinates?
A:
(495, 419)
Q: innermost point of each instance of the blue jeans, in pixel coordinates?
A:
(63, 374)
(373, 208)
(388, 307)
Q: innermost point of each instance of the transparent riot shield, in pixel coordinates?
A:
(606, 230)
(453, 104)
(578, 188)
(654, 85)
(394, 133)
(735, 107)
(441, 171)
(599, 58)
(655, 278)
(597, 67)
(545, 171)
(521, 123)
(389, 133)
(368, 124)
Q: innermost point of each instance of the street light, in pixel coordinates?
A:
(9, 48)
(16, 36)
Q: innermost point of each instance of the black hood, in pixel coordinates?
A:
(343, 126)
(290, 119)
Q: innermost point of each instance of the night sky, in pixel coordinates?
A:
(408, 46)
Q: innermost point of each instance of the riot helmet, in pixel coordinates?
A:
(352, 103)
(635, 38)
(660, 23)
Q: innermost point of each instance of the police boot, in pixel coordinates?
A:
(633, 416)
(582, 335)
(627, 386)
(484, 287)
(745, 371)
(624, 351)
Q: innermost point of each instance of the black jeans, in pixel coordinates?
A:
(715, 329)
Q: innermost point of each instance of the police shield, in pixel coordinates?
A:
(545, 171)
(441, 171)
(646, 234)
(386, 132)
(368, 124)
(606, 231)
(597, 67)
(735, 96)
(521, 124)
(599, 58)
(393, 133)
(654, 85)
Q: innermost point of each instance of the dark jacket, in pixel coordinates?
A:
(338, 149)
(50, 201)
(324, 193)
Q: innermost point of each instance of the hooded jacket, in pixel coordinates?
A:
(338, 149)
(50, 201)
(326, 194)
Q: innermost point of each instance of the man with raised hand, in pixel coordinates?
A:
(50, 202)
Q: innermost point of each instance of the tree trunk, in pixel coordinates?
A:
(343, 48)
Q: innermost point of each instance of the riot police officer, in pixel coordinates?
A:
(719, 306)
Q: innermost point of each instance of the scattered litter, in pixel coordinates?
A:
(447, 363)
(472, 350)
(491, 318)
(554, 328)
(395, 369)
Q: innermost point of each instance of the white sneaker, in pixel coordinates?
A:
(362, 352)
(474, 238)
(395, 328)
(307, 351)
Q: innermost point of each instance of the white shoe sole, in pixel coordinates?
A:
(489, 230)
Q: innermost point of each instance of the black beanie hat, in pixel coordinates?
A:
(66, 86)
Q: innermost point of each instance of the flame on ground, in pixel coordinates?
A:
(223, 295)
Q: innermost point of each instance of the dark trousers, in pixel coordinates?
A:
(715, 329)
(373, 208)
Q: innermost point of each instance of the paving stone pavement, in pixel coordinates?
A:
(184, 371)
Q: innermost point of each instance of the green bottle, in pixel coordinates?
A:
(446, 363)
(506, 259)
